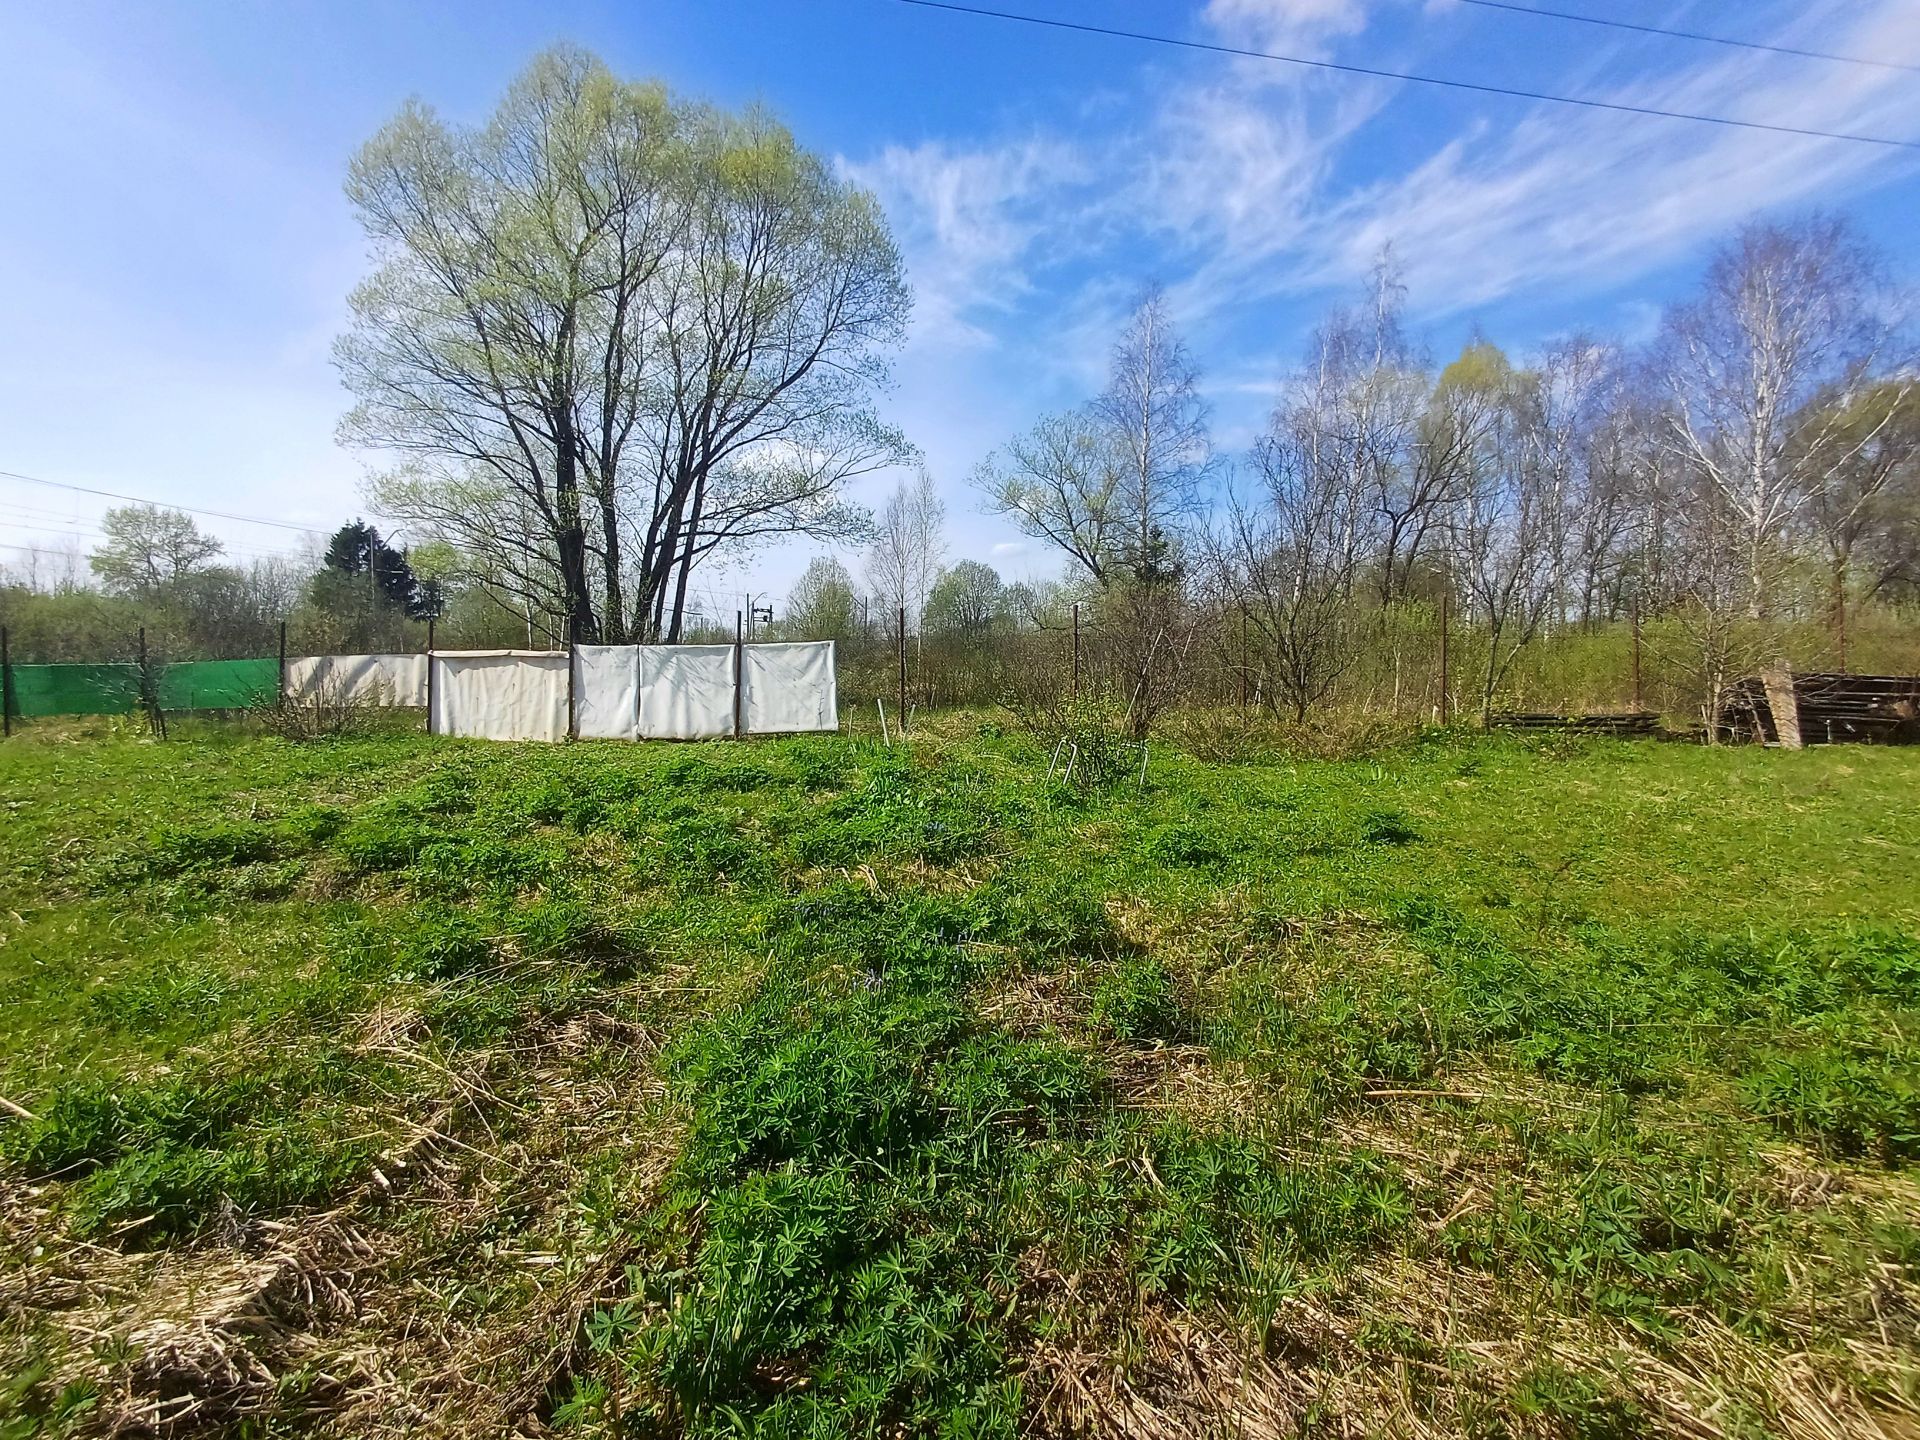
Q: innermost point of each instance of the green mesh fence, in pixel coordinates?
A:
(74, 689)
(41, 690)
(218, 684)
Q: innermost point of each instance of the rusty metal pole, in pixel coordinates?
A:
(901, 639)
(1076, 650)
(573, 666)
(1634, 617)
(430, 674)
(1840, 614)
(1244, 657)
(1444, 589)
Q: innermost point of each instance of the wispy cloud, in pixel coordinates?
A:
(1594, 199)
(1232, 178)
(967, 219)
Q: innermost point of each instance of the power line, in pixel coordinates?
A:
(1407, 75)
(1689, 35)
(93, 536)
(164, 504)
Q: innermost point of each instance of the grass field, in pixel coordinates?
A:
(396, 1085)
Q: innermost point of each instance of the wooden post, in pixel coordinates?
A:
(430, 668)
(1444, 589)
(1785, 705)
(282, 697)
(903, 669)
(150, 691)
(6, 685)
(1840, 614)
(1634, 618)
(739, 670)
(1076, 649)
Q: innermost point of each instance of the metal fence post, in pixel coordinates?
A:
(573, 660)
(902, 640)
(281, 695)
(739, 669)
(1634, 620)
(430, 675)
(150, 691)
(1076, 650)
(6, 685)
(1445, 587)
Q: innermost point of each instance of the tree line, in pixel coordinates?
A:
(1751, 469)
(613, 335)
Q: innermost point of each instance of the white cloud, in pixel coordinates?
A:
(1306, 28)
(966, 220)
(1229, 180)
(1591, 199)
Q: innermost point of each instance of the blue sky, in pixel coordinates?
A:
(177, 251)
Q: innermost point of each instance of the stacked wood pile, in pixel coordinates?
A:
(1625, 723)
(1791, 709)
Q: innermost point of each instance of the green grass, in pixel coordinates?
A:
(1574, 1080)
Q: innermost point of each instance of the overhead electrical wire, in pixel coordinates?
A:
(1374, 72)
(164, 504)
(1689, 35)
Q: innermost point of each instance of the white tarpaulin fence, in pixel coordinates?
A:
(614, 692)
(499, 694)
(367, 679)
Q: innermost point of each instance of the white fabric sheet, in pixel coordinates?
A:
(606, 692)
(368, 679)
(790, 688)
(500, 694)
(685, 691)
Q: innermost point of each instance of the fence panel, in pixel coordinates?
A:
(43, 690)
(218, 684)
(606, 692)
(685, 691)
(790, 688)
(500, 694)
(391, 679)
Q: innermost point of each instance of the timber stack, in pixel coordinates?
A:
(1625, 724)
(1791, 709)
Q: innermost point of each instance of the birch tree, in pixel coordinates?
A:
(1786, 311)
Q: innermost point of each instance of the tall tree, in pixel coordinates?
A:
(146, 549)
(611, 334)
(822, 604)
(1157, 426)
(357, 549)
(1786, 311)
(967, 600)
(909, 543)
